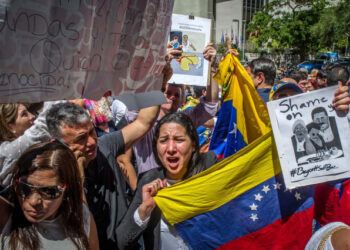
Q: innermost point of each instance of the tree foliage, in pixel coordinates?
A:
(302, 26)
(333, 28)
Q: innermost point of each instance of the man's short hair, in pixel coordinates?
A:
(198, 91)
(298, 75)
(337, 73)
(318, 110)
(265, 66)
(64, 114)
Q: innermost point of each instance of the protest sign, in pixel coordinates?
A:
(67, 49)
(193, 34)
(312, 138)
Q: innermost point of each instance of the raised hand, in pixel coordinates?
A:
(148, 191)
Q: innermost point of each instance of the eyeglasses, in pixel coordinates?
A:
(46, 192)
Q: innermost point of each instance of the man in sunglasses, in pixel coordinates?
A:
(103, 181)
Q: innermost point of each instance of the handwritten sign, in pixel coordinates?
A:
(63, 49)
(193, 34)
(312, 138)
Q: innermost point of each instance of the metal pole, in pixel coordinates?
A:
(243, 22)
(234, 21)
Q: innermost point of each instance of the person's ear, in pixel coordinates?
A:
(12, 127)
(261, 77)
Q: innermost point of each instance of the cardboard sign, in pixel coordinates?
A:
(78, 48)
(312, 139)
(193, 34)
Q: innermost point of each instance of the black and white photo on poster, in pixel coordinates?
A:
(311, 138)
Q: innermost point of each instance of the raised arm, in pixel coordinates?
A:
(11, 151)
(209, 54)
(143, 123)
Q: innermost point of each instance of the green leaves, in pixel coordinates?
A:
(306, 26)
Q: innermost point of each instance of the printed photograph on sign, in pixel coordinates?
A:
(311, 138)
(318, 140)
(193, 35)
(191, 61)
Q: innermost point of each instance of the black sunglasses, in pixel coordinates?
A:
(46, 192)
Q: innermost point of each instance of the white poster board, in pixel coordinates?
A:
(191, 68)
(77, 48)
(312, 138)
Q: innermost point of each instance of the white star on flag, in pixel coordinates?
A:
(234, 130)
(297, 196)
(253, 207)
(258, 197)
(277, 185)
(266, 189)
(254, 217)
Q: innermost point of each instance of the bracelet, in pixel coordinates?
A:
(329, 234)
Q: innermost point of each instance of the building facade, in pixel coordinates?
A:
(228, 16)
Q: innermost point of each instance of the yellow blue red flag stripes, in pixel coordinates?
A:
(243, 116)
(240, 203)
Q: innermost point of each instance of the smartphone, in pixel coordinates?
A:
(178, 35)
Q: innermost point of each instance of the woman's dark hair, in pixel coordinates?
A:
(49, 156)
(191, 131)
(312, 125)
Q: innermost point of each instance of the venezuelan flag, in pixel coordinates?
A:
(240, 203)
(243, 116)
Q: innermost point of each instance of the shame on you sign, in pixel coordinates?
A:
(312, 138)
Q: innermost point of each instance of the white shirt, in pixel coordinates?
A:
(169, 237)
(11, 151)
(327, 134)
(300, 145)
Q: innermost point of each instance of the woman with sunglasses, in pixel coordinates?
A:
(46, 197)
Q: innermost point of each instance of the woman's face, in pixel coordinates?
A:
(300, 131)
(309, 86)
(314, 134)
(175, 149)
(24, 120)
(35, 206)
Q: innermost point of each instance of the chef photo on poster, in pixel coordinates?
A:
(311, 138)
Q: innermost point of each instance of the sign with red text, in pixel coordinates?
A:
(65, 49)
(312, 138)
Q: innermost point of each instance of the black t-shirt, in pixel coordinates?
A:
(104, 189)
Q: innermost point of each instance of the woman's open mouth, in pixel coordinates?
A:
(173, 162)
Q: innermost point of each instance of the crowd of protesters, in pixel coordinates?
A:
(74, 179)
